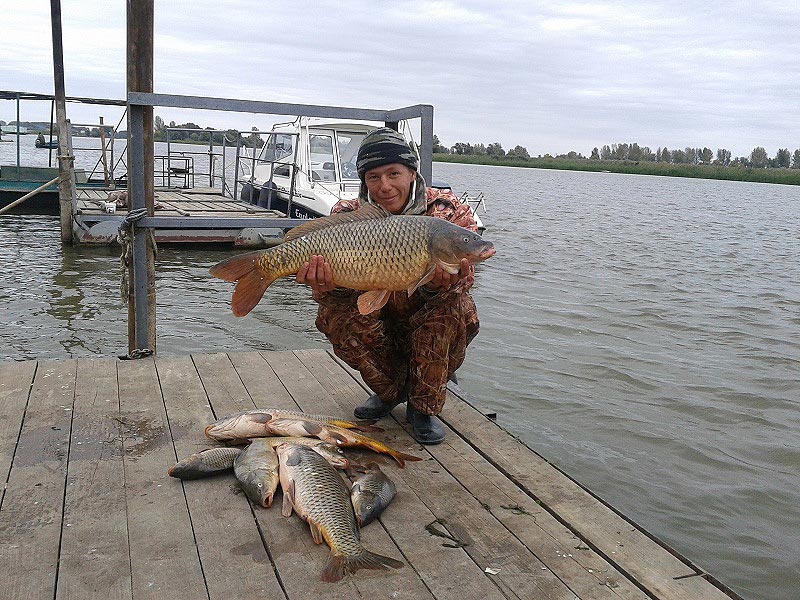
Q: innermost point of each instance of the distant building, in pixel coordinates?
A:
(13, 129)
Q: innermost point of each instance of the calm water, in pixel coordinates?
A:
(642, 333)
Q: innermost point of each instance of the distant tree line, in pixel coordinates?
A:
(190, 132)
(758, 158)
(494, 149)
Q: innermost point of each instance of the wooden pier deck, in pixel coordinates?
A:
(203, 204)
(88, 511)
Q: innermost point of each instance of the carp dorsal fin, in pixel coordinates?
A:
(367, 212)
(372, 300)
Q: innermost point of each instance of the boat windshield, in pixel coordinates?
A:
(347, 143)
(323, 163)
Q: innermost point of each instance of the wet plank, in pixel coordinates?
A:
(94, 558)
(235, 561)
(15, 385)
(31, 513)
(620, 542)
(164, 558)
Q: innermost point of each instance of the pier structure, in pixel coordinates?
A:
(88, 510)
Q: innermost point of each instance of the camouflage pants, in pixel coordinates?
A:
(408, 347)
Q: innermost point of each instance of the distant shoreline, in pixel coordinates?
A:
(766, 175)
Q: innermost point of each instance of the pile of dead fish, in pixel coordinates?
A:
(301, 452)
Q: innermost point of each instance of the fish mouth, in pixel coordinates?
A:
(486, 253)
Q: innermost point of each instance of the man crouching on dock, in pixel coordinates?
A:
(408, 350)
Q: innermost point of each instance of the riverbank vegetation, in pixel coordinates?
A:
(634, 159)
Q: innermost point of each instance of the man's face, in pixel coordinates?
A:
(390, 185)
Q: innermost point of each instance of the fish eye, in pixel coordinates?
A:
(466, 239)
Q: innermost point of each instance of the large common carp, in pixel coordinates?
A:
(319, 496)
(368, 250)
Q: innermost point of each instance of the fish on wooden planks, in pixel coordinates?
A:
(256, 468)
(256, 423)
(333, 454)
(204, 463)
(343, 438)
(368, 250)
(319, 496)
(372, 491)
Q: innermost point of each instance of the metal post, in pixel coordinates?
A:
(142, 311)
(65, 157)
(426, 143)
(18, 164)
(136, 197)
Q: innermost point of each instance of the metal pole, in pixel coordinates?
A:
(65, 157)
(426, 142)
(136, 197)
(18, 165)
(142, 311)
(50, 145)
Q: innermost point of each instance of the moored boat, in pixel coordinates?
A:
(306, 166)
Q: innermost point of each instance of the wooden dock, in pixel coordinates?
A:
(88, 510)
(201, 204)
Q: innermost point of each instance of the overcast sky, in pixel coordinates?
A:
(550, 76)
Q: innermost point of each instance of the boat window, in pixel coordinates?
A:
(278, 146)
(323, 167)
(282, 171)
(347, 143)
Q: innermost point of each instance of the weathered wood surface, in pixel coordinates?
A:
(88, 511)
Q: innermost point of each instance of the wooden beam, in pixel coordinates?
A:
(64, 156)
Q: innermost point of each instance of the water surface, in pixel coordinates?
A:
(642, 333)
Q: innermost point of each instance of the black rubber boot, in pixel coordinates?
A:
(375, 408)
(426, 429)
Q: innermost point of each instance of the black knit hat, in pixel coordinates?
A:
(384, 146)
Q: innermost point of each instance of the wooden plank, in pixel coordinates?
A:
(298, 559)
(262, 384)
(566, 555)
(519, 573)
(94, 559)
(31, 513)
(314, 397)
(15, 386)
(619, 541)
(235, 561)
(164, 558)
